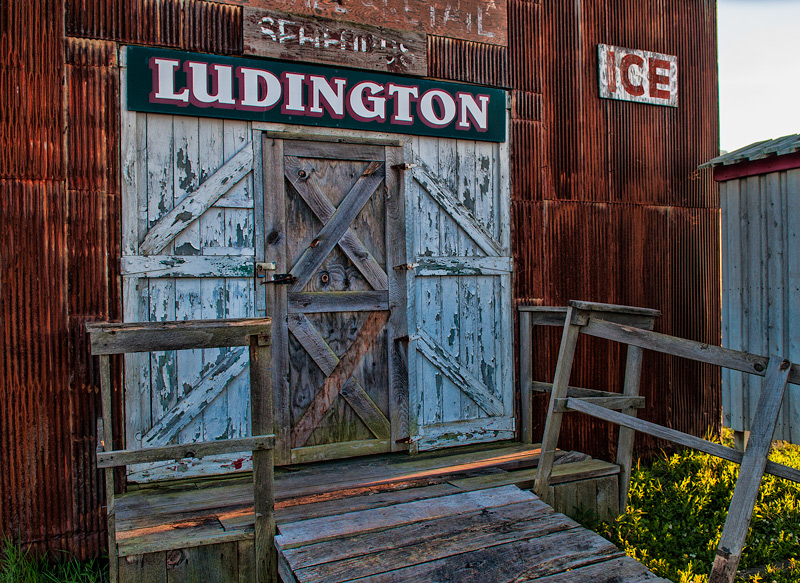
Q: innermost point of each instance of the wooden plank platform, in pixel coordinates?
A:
(391, 498)
(500, 534)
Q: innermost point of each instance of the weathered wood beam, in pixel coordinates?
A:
(740, 512)
(679, 437)
(186, 335)
(699, 351)
(200, 449)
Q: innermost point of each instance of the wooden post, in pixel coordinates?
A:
(633, 374)
(566, 354)
(754, 461)
(111, 522)
(266, 558)
(525, 377)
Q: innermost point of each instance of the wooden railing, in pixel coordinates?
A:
(604, 321)
(108, 339)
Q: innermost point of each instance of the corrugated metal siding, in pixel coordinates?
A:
(615, 199)
(761, 277)
(35, 442)
(194, 25)
(92, 81)
(30, 90)
(467, 61)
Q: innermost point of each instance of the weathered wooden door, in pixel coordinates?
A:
(188, 253)
(460, 358)
(333, 225)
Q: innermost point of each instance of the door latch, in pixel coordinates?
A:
(281, 278)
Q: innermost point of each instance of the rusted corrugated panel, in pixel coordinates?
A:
(467, 61)
(525, 44)
(603, 150)
(194, 25)
(35, 397)
(92, 81)
(30, 90)
(658, 257)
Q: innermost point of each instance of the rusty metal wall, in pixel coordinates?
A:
(60, 223)
(193, 25)
(35, 399)
(467, 61)
(607, 203)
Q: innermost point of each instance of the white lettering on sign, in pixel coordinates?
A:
(302, 94)
(632, 75)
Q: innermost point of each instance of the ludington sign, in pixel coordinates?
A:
(173, 82)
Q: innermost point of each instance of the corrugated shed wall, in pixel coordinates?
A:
(35, 397)
(607, 203)
(193, 25)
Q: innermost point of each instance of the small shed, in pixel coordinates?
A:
(760, 252)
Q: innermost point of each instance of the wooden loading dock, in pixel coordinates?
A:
(457, 515)
(461, 514)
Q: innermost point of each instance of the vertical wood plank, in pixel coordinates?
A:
(133, 158)
(429, 303)
(397, 326)
(525, 377)
(259, 290)
(506, 357)
(412, 245)
(449, 322)
(213, 290)
(160, 200)
(793, 265)
(263, 461)
(467, 287)
(552, 428)
(633, 374)
(751, 471)
(186, 179)
(147, 568)
(216, 563)
(276, 298)
(108, 445)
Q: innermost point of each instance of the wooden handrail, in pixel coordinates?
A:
(598, 320)
(107, 339)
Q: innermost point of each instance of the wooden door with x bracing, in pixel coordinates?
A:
(333, 226)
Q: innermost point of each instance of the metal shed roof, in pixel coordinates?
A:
(757, 151)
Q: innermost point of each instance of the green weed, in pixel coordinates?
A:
(17, 565)
(677, 508)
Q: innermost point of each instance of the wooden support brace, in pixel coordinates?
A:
(111, 513)
(566, 355)
(754, 462)
(525, 377)
(633, 374)
(263, 460)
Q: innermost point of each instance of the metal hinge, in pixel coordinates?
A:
(405, 266)
(263, 268)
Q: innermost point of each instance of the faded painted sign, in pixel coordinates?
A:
(632, 75)
(483, 21)
(268, 33)
(179, 83)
